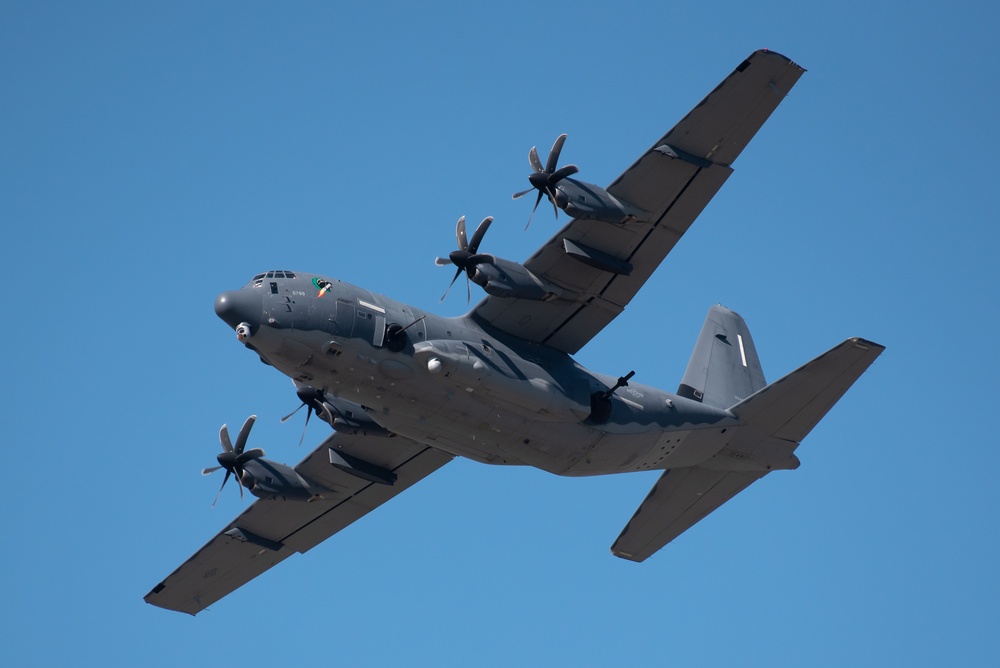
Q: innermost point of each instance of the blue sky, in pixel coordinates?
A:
(153, 156)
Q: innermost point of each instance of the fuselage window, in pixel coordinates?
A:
(274, 288)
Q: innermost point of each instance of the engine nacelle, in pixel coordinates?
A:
(344, 416)
(269, 479)
(589, 202)
(503, 278)
(350, 418)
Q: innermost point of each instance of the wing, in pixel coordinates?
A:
(673, 181)
(271, 530)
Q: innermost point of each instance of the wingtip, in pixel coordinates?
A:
(859, 342)
(769, 52)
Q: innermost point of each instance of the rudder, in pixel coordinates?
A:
(724, 368)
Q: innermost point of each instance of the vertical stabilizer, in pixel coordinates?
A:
(724, 368)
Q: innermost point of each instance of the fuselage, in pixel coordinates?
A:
(457, 385)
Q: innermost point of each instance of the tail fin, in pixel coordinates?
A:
(724, 368)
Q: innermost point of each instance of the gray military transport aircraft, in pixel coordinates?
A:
(406, 391)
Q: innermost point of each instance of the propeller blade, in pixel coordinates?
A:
(562, 173)
(463, 241)
(550, 166)
(533, 209)
(327, 415)
(457, 273)
(536, 164)
(478, 235)
(522, 193)
(252, 453)
(210, 470)
(223, 486)
(288, 417)
(241, 438)
(552, 198)
(478, 259)
(305, 426)
(442, 261)
(227, 445)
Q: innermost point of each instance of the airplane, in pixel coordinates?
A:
(406, 391)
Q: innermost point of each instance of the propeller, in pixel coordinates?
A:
(544, 179)
(233, 458)
(467, 256)
(312, 399)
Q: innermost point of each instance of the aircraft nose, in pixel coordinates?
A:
(238, 306)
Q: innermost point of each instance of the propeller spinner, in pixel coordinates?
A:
(544, 179)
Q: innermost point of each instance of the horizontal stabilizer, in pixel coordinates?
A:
(678, 500)
(789, 408)
(772, 422)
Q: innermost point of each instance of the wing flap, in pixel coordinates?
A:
(679, 499)
(418, 466)
(271, 530)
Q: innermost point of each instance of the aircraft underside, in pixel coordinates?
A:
(489, 417)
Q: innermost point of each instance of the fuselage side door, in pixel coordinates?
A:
(344, 320)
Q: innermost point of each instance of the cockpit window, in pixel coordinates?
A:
(258, 280)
